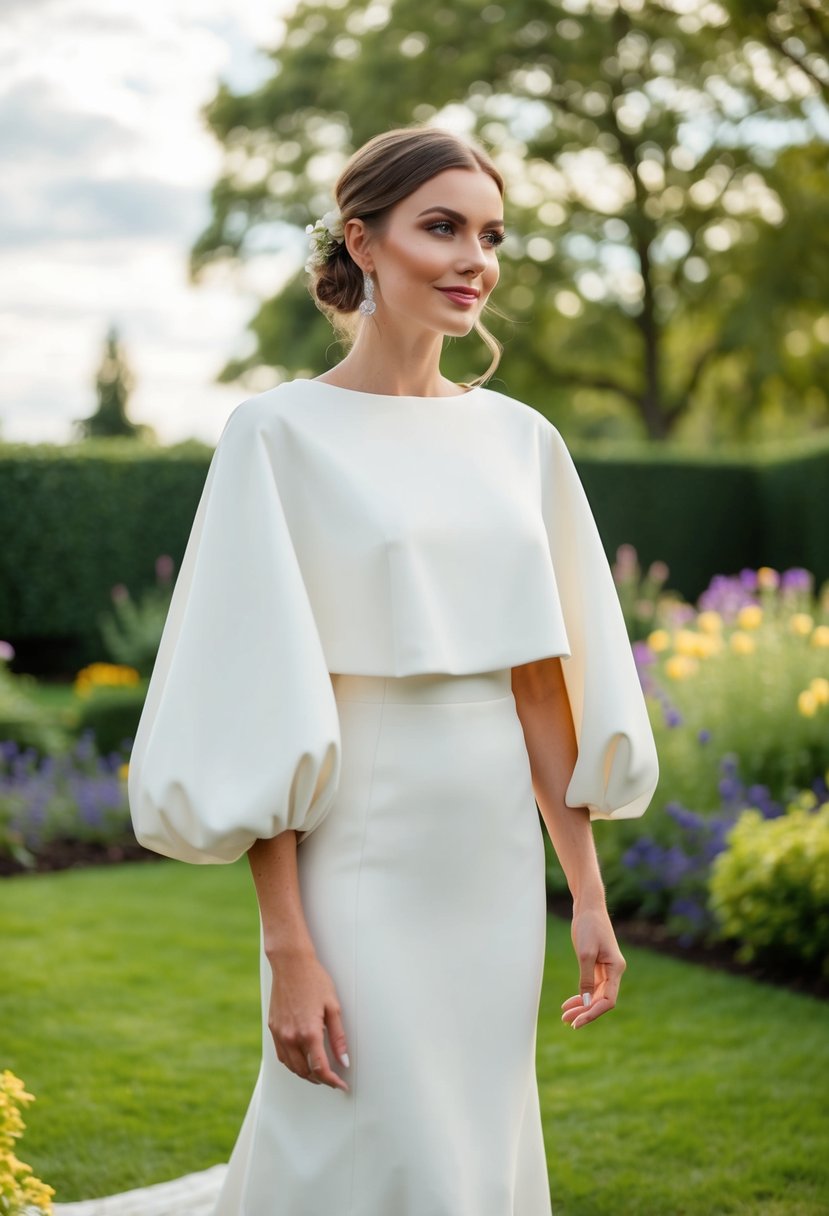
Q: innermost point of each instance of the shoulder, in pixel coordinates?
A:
(522, 414)
(263, 410)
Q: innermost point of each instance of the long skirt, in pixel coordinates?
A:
(423, 890)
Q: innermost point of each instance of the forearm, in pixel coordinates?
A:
(274, 870)
(544, 711)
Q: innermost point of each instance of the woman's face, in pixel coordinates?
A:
(436, 261)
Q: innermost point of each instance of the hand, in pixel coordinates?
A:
(303, 1002)
(601, 966)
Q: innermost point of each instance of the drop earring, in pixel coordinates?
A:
(368, 304)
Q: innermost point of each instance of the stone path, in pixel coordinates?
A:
(193, 1195)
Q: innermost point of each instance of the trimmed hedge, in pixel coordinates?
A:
(80, 518)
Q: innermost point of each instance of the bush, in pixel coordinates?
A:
(769, 889)
(132, 630)
(21, 718)
(21, 1194)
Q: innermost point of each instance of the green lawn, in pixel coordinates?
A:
(129, 1006)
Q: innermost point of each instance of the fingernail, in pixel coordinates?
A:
(345, 1059)
(586, 998)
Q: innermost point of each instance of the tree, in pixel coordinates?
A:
(113, 384)
(650, 263)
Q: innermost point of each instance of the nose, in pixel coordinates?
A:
(471, 257)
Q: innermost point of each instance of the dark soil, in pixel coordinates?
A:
(78, 854)
(75, 855)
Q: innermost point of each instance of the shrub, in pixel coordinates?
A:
(769, 889)
(21, 1194)
(21, 718)
(132, 630)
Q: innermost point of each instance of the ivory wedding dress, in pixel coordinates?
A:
(362, 574)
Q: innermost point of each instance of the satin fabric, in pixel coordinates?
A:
(424, 894)
(342, 531)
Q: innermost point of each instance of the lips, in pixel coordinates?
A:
(461, 295)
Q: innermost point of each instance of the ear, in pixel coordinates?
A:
(357, 242)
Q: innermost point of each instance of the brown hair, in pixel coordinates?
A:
(379, 175)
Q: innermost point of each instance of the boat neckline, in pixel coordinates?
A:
(358, 392)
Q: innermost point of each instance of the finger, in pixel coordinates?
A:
(587, 975)
(612, 980)
(321, 1067)
(578, 1018)
(296, 1060)
(336, 1034)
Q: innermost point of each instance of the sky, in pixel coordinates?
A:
(106, 169)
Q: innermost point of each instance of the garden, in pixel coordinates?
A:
(125, 1076)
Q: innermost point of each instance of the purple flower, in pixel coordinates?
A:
(796, 579)
(673, 717)
(703, 736)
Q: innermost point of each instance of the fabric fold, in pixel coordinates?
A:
(617, 769)
(239, 735)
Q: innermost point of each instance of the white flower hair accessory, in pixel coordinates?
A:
(326, 234)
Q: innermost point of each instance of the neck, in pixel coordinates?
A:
(385, 361)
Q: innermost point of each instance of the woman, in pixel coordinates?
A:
(394, 639)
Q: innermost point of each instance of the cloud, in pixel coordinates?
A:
(35, 127)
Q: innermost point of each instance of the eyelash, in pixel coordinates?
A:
(498, 237)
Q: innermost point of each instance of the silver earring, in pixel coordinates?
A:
(368, 304)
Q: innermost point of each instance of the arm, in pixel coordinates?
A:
(303, 998)
(544, 711)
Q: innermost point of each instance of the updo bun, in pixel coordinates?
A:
(338, 285)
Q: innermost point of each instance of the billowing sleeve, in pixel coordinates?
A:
(239, 735)
(616, 771)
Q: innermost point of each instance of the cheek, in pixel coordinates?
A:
(418, 259)
(492, 274)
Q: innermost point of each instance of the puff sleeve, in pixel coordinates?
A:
(616, 770)
(239, 735)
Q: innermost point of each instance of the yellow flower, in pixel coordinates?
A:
(749, 616)
(100, 674)
(709, 622)
(123, 771)
(801, 623)
(807, 703)
(660, 639)
(685, 642)
(742, 643)
(821, 636)
(679, 666)
(820, 688)
(768, 578)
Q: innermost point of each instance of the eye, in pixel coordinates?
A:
(441, 224)
(496, 238)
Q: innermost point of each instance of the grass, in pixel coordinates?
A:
(129, 1006)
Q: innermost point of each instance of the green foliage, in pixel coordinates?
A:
(132, 629)
(83, 518)
(112, 714)
(651, 280)
(22, 718)
(770, 888)
(113, 385)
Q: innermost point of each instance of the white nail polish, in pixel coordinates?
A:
(345, 1059)
(586, 999)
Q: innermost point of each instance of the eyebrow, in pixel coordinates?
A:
(458, 218)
